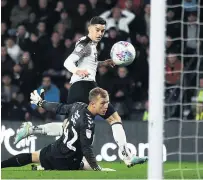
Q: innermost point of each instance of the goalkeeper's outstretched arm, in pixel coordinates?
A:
(58, 108)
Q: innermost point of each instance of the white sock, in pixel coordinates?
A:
(50, 129)
(120, 139)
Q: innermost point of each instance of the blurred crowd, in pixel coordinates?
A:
(38, 35)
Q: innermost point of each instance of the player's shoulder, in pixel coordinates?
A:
(80, 106)
(82, 47)
(83, 41)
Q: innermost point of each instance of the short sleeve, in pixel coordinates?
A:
(82, 50)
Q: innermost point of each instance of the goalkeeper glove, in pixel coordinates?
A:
(37, 99)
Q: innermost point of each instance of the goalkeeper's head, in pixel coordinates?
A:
(96, 28)
(98, 101)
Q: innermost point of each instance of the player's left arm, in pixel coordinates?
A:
(108, 62)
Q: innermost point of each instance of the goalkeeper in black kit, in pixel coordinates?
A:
(67, 152)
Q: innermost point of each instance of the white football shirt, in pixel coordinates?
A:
(86, 59)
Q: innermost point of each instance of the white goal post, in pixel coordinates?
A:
(176, 89)
(156, 88)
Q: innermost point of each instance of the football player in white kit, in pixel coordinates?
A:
(83, 63)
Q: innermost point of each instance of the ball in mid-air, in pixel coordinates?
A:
(123, 53)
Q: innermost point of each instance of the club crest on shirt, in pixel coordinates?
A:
(78, 48)
(88, 133)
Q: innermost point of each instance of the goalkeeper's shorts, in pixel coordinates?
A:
(52, 159)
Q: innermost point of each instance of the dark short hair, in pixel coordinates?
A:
(46, 75)
(97, 92)
(97, 20)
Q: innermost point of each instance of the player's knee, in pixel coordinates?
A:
(35, 157)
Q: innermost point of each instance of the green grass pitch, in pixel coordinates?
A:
(122, 172)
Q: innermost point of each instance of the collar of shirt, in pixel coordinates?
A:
(90, 114)
(91, 42)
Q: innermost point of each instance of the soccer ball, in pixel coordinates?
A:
(123, 53)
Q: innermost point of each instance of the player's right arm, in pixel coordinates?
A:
(75, 56)
(58, 108)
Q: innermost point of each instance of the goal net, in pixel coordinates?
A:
(183, 132)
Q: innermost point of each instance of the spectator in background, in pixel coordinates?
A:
(8, 90)
(121, 93)
(144, 41)
(54, 58)
(6, 62)
(141, 67)
(13, 50)
(41, 27)
(61, 29)
(65, 19)
(31, 22)
(54, 17)
(26, 61)
(199, 106)
(36, 51)
(52, 94)
(131, 5)
(173, 69)
(94, 8)
(20, 13)
(80, 18)
(171, 44)
(22, 37)
(69, 47)
(173, 28)
(4, 33)
(104, 78)
(120, 19)
(5, 11)
(23, 74)
(44, 39)
(64, 92)
(43, 11)
(143, 23)
(19, 109)
(192, 33)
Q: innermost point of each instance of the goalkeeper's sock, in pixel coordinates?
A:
(120, 139)
(17, 161)
(50, 129)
